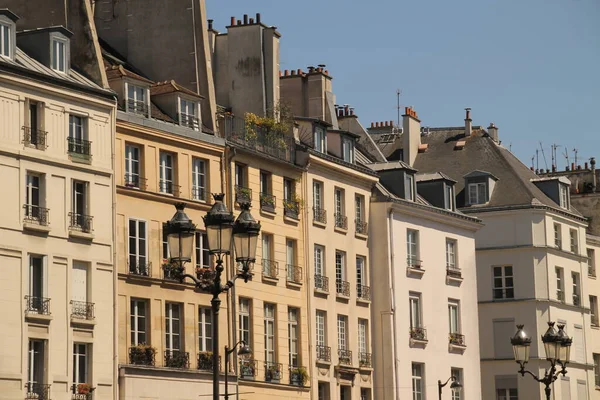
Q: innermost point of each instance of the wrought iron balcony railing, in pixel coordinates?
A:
(80, 147)
(413, 262)
(205, 361)
(363, 292)
(171, 272)
(361, 227)
(267, 202)
(345, 357)
(37, 391)
(270, 269)
(36, 215)
(80, 222)
(297, 376)
(37, 305)
(141, 268)
(248, 368)
(243, 194)
(291, 209)
(198, 193)
(456, 339)
(169, 187)
(82, 310)
(82, 391)
(189, 121)
(319, 215)
(142, 355)
(341, 221)
(294, 273)
(323, 353)
(594, 320)
(576, 300)
(137, 107)
(418, 333)
(560, 296)
(135, 181)
(342, 288)
(453, 271)
(364, 360)
(33, 137)
(177, 359)
(322, 283)
(273, 372)
(591, 270)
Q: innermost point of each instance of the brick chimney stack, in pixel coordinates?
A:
(411, 127)
(493, 132)
(468, 123)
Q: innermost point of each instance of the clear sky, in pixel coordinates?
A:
(530, 66)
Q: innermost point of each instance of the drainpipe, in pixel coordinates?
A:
(115, 262)
(392, 278)
(307, 280)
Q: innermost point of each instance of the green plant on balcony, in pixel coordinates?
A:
(84, 388)
(273, 372)
(299, 376)
(243, 193)
(171, 270)
(142, 353)
(267, 200)
(278, 122)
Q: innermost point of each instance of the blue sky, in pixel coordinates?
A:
(531, 66)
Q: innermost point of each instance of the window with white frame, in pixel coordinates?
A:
(414, 300)
(269, 268)
(449, 198)
(412, 248)
(244, 321)
(507, 388)
(348, 149)
(59, 55)
(560, 284)
(338, 197)
(409, 185)
(320, 140)
(204, 329)
(342, 328)
(319, 260)
(457, 373)
(198, 179)
(596, 369)
(564, 196)
(269, 327)
(202, 252)
(594, 310)
(34, 198)
(172, 327)
(5, 40)
(80, 363)
(138, 249)
(361, 274)
(359, 208)
(78, 143)
(165, 243)
(240, 175)
(363, 336)
(35, 364)
(591, 262)
(132, 166)
(454, 316)
(138, 321)
(290, 261)
(451, 254)
(137, 99)
(321, 328)
(574, 241)
(37, 284)
(418, 384)
(503, 282)
(557, 236)
(317, 195)
(188, 114)
(477, 193)
(340, 266)
(79, 206)
(289, 189)
(166, 172)
(293, 337)
(576, 288)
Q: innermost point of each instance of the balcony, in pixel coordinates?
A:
(36, 217)
(341, 221)
(322, 283)
(82, 310)
(140, 268)
(361, 227)
(591, 270)
(137, 107)
(37, 305)
(323, 353)
(37, 391)
(205, 361)
(560, 296)
(198, 193)
(177, 359)
(79, 148)
(82, 391)
(294, 274)
(319, 215)
(80, 222)
(345, 357)
(243, 194)
(456, 339)
(291, 209)
(418, 334)
(189, 121)
(273, 372)
(171, 272)
(33, 137)
(363, 293)
(267, 202)
(270, 269)
(342, 288)
(414, 266)
(259, 139)
(364, 360)
(453, 271)
(135, 181)
(594, 320)
(248, 368)
(169, 187)
(298, 376)
(142, 355)
(576, 300)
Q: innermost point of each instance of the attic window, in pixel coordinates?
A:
(409, 184)
(320, 143)
(188, 115)
(564, 196)
(5, 44)
(477, 193)
(449, 198)
(387, 138)
(59, 55)
(136, 99)
(460, 145)
(348, 150)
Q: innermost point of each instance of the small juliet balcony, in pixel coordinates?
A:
(79, 148)
(37, 391)
(37, 305)
(267, 202)
(81, 226)
(294, 274)
(198, 193)
(189, 121)
(142, 355)
(177, 359)
(169, 187)
(345, 357)
(82, 310)
(418, 335)
(456, 339)
(319, 216)
(137, 107)
(291, 209)
(342, 288)
(242, 194)
(205, 361)
(363, 293)
(322, 283)
(273, 372)
(82, 391)
(414, 266)
(341, 221)
(248, 368)
(134, 181)
(36, 218)
(364, 360)
(140, 268)
(453, 274)
(323, 353)
(270, 269)
(361, 227)
(33, 137)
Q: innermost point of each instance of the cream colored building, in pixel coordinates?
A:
(593, 253)
(56, 221)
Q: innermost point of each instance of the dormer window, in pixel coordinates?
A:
(409, 184)
(479, 186)
(320, 140)
(564, 196)
(188, 114)
(449, 198)
(137, 99)
(478, 193)
(5, 40)
(348, 150)
(59, 55)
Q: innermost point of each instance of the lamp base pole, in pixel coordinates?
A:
(216, 304)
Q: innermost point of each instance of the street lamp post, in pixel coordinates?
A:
(557, 346)
(455, 386)
(220, 229)
(244, 350)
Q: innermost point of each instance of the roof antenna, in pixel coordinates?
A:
(398, 93)
(544, 155)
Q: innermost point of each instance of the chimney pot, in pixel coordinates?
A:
(258, 18)
(376, 124)
(468, 110)
(586, 165)
(251, 21)
(232, 21)
(573, 166)
(351, 110)
(468, 126)
(326, 72)
(286, 72)
(386, 123)
(372, 124)
(239, 22)
(299, 71)
(210, 24)
(293, 72)
(579, 167)
(245, 19)
(280, 73)
(391, 123)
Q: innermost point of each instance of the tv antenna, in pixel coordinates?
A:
(398, 93)
(544, 155)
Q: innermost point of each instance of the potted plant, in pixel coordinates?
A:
(273, 373)
(143, 354)
(84, 388)
(298, 376)
(171, 270)
(32, 395)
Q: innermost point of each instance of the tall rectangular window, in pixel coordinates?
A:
(449, 197)
(79, 286)
(137, 247)
(293, 337)
(339, 202)
(240, 175)
(172, 327)
(37, 284)
(138, 322)
(361, 273)
(574, 241)
(269, 326)
(32, 191)
(503, 282)
(132, 166)
(319, 260)
(77, 128)
(290, 261)
(557, 236)
(412, 247)
(288, 189)
(244, 321)
(188, 114)
(5, 41)
(136, 99)
(59, 56)
(35, 364)
(348, 150)
(165, 244)
(560, 284)
(317, 194)
(363, 336)
(321, 328)
(454, 316)
(80, 363)
(320, 141)
(204, 329)
(78, 144)
(591, 261)
(166, 172)
(340, 266)
(451, 254)
(202, 252)
(198, 179)
(457, 373)
(79, 206)
(564, 196)
(409, 185)
(576, 288)
(342, 328)
(359, 208)
(477, 193)
(594, 310)
(596, 369)
(418, 384)
(265, 182)
(414, 300)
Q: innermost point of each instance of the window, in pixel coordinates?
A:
(172, 327)
(363, 338)
(564, 196)
(5, 40)
(506, 388)
(361, 274)
(451, 254)
(454, 316)
(412, 248)
(574, 241)
(289, 190)
(79, 279)
(320, 141)
(240, 175)
(59, 56)
(244, 321)
(579, 354)
(418, 384)
(198, 179)
(319, 260)
(560, 284)
(37, 285)
(293, 337)
(339, 201)
(136, 99)
(323, 391)
(557, 236)
(202, 252)
(80, 363)
(359, 208)
(204, 329)
(576, 289)
(137, 247)
(409, 184)
(597, 369)
(449, 198)
(591, 261)
(414, 300)
(290, 261)
(165, 244)
(477, 193)
(78, 138)
(457, 373)
(166, 172)
(317, 194)
(503, 331)
(269, 267)
(269, 333)
(321, 326)
(79, 205)
(132, 166)
(188, 115)
(342, 325)
(34, 210)
(365, 394)
(340, 266)
(265, 182)
(503, 282)
(348, 150)
(138, 322)
(594, 310)
(35, 365)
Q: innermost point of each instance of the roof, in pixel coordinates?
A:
(55, 28)
(477, 173)
(118, 71)
(432, 176)
(561, 179)
(171, 86)
(390, 166)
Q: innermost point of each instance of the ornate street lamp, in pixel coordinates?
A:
(243, 351)
(557, 346)
(455, 386)
(220, 229)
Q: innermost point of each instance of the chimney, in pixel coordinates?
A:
(251, 21)
(210, 22)
(258, 18)
(593, 164)
(468, 125)
(493, 132)
(245, 19)
(411, 127)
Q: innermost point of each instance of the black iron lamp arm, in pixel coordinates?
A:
(229, 351)
(549, 375)
(440, 384)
